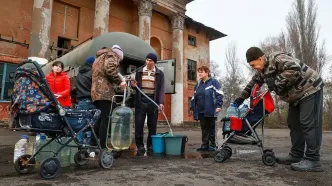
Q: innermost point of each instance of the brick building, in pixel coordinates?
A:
(46, 28)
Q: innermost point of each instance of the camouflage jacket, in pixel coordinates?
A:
(293, 79)
(105, 75)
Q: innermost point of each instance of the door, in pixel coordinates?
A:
(168, 67)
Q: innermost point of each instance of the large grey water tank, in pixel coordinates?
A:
(133, 47)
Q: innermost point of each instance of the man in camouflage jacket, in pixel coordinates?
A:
(105, 78)
(300, 86)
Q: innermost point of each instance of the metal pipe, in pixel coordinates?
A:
(162, 110)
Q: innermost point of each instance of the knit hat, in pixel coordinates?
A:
(254, 53)
(152, 56)
(117, 49)
(90, 60)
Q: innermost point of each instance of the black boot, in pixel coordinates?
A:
(307, 166)
(288, 160)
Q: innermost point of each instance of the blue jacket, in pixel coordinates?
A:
(213, 98)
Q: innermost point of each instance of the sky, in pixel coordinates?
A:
(248, 22)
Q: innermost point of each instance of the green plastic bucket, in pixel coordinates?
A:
(174, 144)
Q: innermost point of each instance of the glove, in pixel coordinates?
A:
(271, 83)
(238, 101)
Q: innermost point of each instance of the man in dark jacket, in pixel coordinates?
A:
(300, 86)
(83, 90)
(83, 84)
(151, 81)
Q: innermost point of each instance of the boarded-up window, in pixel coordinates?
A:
(65, 20)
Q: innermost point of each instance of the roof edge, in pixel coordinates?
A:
(212, 33)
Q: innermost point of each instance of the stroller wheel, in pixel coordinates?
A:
(269, 158)
(220, 156)
(229, 151)
(50, 168)
(24, 164)
(80, 158)
(106, 159)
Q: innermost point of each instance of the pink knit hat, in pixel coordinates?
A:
(117, 49)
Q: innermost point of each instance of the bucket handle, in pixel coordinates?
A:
(163, 134)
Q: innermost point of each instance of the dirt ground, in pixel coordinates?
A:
(243, 168)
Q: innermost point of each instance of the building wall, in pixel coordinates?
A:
(198, 53)
(161, 31)
(15, 21)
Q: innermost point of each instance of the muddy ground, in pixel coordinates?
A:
(244, 168)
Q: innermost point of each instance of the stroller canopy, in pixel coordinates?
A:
(30, 93)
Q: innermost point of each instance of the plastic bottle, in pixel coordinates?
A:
(42, 155)
(243, 110)
(232, 110)
(20, 147)
(65, 153)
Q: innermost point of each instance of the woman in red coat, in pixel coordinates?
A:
(60, 84)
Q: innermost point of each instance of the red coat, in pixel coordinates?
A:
(60, 84)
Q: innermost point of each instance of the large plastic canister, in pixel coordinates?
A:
(121, 127)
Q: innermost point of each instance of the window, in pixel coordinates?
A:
(7, 72)
(191, 40)
(64, 44)
(189, 101)
(191, 70)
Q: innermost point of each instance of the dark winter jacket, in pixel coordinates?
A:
(289, 78)
(159, 86)
(84, 82)
(60, 84)
(213, 98)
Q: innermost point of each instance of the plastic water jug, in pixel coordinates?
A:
(44, 154)
(20, 147)
(121, 127)
(243, 110)
(232, 110)
(65, 153)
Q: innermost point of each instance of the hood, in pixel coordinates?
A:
(85, 68)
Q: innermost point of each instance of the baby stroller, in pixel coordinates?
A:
(261, 105)
(34, 108)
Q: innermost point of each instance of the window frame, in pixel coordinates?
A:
(189, 102)
(4, 75)
(192, 72)
(192, 41)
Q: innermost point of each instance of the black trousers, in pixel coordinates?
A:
(208, 127)
(101, 126)
(141, 111)
(305, 124)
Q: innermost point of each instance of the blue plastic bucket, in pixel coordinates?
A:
(158, 143)
(174, 144)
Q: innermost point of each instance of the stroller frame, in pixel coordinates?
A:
(224, 152)
(50, 167)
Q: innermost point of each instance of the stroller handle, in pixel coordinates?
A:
(35, 64)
